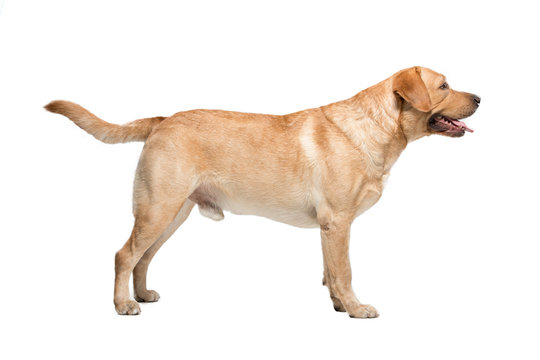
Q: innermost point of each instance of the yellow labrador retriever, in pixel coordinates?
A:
(319, 167)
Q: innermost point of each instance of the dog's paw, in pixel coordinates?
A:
(363, 312)
(147, 296)
(129, 307)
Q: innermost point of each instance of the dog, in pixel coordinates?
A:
(320, 167)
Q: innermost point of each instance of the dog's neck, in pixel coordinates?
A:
(370, 119)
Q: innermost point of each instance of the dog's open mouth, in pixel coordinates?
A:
(448, 126)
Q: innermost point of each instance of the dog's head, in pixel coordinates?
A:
(429, 105)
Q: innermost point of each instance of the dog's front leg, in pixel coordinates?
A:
(335, 230)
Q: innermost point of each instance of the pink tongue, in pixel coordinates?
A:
(461, 125)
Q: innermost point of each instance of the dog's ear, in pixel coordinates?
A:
(409, 85)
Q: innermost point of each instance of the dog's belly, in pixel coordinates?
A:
(293, 216)
(289, 210)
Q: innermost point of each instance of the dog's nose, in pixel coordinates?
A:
(476, 99)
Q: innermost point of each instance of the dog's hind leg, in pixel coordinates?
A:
(142, 294)
(162, 186)
(150, 222)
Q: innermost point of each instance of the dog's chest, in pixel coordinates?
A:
(370, 194)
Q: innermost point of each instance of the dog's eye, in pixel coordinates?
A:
(444, 86)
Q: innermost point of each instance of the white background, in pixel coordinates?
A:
(449, 256)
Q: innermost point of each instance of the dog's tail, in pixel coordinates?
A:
(137, 130)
